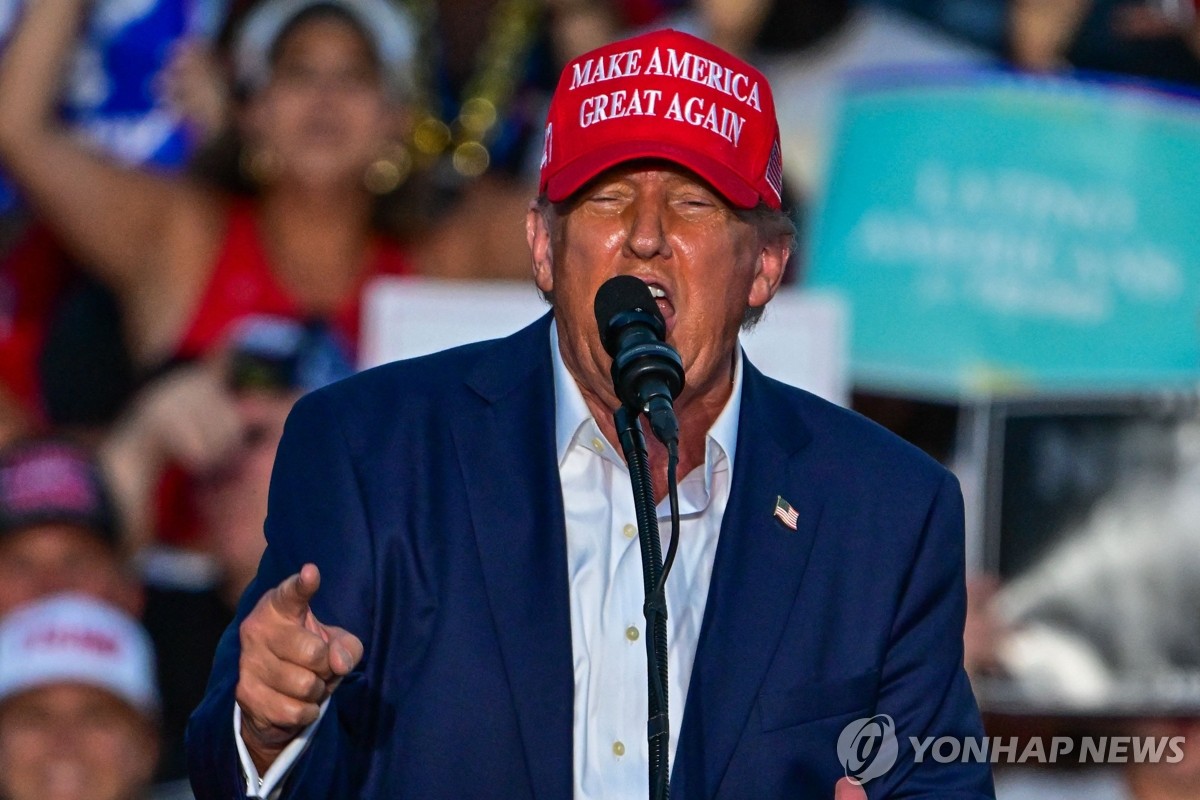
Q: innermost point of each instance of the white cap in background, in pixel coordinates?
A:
(389, 26)
(72, 638)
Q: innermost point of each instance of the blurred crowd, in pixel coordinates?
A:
(197, 194)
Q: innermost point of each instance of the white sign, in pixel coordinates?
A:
(802, 339)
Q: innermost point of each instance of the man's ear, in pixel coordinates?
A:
(537, 235)
(768, 276)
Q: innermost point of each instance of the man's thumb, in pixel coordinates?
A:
(293, 594)
(847, 789)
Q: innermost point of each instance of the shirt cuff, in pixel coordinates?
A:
(269, 786)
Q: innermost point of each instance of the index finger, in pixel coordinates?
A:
(291, 597)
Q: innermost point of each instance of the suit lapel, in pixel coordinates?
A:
(505, 444)
(756, 574)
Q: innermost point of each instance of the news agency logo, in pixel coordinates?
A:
(867, 747)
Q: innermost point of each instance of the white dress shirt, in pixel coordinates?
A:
(611, 754)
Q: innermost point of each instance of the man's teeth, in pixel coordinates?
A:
(658, 292)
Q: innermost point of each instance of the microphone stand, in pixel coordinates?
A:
(633, 443)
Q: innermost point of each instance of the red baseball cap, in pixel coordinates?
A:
(668, 95)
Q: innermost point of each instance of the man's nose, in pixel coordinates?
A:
(647, 237)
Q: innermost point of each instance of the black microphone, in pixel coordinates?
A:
(647, 373)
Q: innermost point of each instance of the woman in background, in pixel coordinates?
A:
(325, 83)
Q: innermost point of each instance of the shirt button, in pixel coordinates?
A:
(630, 531)
(618, 749)
(632, 633)
(598, 443)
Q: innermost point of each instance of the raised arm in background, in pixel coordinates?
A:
(148, 236)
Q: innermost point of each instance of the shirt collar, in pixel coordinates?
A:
(571, 412)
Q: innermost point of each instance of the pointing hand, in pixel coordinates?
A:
(291, 662)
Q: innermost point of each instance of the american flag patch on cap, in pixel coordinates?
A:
(775, 170)
(785, 513)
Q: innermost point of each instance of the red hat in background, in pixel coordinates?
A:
(668, 95)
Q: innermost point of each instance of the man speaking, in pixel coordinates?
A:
(450, 603)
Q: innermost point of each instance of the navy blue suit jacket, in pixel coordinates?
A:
(428, 493)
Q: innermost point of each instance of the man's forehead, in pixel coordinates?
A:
(644, 169)
(69, 697)
(55, 535)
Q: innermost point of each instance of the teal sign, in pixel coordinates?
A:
(999, 234)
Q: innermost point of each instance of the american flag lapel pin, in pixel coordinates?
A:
(785, 513)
